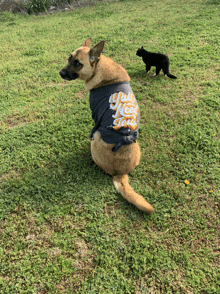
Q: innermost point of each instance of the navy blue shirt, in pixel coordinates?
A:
(116, 114)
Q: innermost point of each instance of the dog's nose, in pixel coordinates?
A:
(62, 74)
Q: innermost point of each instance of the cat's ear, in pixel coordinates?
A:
(142, 47)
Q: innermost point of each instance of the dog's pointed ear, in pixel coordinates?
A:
(96, 51)
(87, 42)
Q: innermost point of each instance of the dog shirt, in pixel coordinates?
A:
(116, 114)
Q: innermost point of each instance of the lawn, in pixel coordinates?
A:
(63, 227)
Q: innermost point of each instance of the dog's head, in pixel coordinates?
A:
(82, 62)
(140, 51)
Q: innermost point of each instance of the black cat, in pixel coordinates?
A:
(161, 61)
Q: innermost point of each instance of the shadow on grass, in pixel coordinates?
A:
(74, 181)
(212, 2)
(137, 74)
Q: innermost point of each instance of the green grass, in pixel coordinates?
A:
(63, 227)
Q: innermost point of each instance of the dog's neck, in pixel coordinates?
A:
(107, 72)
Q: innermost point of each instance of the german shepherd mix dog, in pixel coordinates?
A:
(116, 114)
(161, 61)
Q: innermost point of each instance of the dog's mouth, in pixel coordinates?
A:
(69, 77)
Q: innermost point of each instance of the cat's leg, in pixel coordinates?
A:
(158, 69)
(166, 70)
(148, 67)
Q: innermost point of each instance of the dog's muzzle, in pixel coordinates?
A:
(66, 76)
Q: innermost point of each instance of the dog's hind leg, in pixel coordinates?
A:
(122, 186)
(100, 153)
(114, 163)
(119, 164)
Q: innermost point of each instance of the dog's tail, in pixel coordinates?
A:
(171, 76)
(123, 187)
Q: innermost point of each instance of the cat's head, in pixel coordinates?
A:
(140, 51)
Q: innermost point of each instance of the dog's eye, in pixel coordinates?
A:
(76, 63)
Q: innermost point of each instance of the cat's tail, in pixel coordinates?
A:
(171, 76)
(122, 186)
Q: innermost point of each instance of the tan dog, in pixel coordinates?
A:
(99, 74)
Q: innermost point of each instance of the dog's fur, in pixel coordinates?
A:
(161, 61)
(97, 71)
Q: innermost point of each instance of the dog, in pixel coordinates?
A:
(161, 61)
(114, 147)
